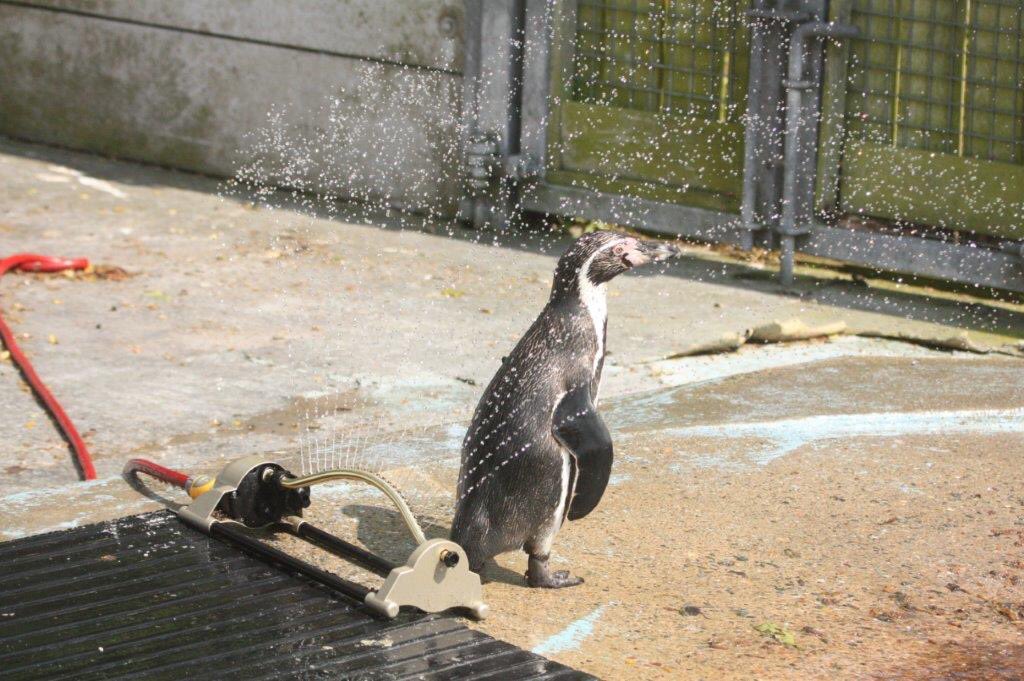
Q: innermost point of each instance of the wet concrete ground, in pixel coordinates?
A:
(874, 531)
(859, 501)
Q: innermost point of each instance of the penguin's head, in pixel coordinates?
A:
(598, 257)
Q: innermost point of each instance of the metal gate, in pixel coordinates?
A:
(932, 102)
(648, 97)
(760, 122)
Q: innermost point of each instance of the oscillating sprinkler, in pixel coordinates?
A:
(254, 492)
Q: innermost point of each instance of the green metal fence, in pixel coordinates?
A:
(933, 110)
(678, 57)
(649, 98)
(636, 112)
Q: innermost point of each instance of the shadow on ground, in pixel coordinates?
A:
(831, 287)
(382, 531)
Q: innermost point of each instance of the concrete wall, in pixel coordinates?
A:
(359, 98)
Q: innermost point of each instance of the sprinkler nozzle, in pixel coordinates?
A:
(449, 558)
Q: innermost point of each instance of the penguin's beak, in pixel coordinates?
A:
(643, 252)
(661, 250)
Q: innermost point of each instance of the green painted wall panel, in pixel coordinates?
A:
(648, 99)
(955, 193)
(661, 148)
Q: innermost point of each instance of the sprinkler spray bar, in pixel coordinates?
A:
(364, 476)
(253, 492)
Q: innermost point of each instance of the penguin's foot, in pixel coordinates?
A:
(539, 576)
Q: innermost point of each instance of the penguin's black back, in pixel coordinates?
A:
(511, 477)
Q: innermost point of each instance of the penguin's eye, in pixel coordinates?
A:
(618, 249)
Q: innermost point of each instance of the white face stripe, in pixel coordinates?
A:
(594, 299)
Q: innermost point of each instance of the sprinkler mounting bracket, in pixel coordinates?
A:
(431, 581)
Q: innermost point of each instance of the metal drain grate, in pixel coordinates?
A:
(147, 597)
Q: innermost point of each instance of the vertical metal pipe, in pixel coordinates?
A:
(795, 86)
(751, 138)
(508, 194)
(471, 208)
(787, 255)
(791, 156)
(493, 104)
(536, 86)
(516, 54)
(760, 191)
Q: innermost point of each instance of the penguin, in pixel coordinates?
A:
(537, 452)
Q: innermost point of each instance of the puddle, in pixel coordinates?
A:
(750, 392)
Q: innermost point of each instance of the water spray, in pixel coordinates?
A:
(254, 492)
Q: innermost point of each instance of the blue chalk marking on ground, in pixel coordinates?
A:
(27, 497)
(788, 435)
(570, 637)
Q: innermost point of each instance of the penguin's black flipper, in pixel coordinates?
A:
(579, 428)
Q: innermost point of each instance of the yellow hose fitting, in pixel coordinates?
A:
(199, 485)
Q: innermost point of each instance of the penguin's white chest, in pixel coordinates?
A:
(595, 302)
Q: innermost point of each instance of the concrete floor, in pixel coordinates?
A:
(860, 495)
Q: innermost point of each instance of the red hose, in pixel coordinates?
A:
(29, 262)
(168, 475)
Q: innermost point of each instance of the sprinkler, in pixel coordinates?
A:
(253, 492)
